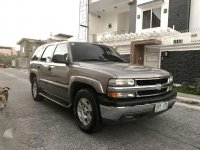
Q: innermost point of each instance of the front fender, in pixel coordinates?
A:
(92, 82)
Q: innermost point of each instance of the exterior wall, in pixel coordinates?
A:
(182, 61)
(99, 25)
(109, 18)
(22, 63)
(23, 49)
(95, 26)
(179, 14)
(184, 65)
(195, 14)
(164, 16)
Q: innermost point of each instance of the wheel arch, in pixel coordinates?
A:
(33, 73)
(31, 76)
(76, 86)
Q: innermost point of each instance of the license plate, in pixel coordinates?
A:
(161, 106)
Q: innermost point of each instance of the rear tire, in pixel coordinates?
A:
(35, 90)
(86, 111)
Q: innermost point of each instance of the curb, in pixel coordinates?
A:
(188, 101)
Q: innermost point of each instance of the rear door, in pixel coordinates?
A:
(44, 68)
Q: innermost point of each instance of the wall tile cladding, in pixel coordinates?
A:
(179, 14)
(184, 65)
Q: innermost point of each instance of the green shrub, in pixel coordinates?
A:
(197, 86)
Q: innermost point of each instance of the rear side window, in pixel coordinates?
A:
(48, 53)
(38, 53)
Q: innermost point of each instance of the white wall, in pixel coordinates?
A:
(95, 26)
(109, 18)
(164, 16)
(195, 14)
(100, 25)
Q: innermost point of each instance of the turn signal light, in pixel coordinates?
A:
(120, 95)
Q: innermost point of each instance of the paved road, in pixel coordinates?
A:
(26, 124)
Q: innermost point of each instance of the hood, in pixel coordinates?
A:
(125, 70)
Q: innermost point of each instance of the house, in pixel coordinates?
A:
(154, 33)
(130, 16)
(28, 47)
(8, 51)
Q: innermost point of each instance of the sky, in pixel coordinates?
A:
(37, 19)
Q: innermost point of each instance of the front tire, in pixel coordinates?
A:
(35, 90)
(86, 111)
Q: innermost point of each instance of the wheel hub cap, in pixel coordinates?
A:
(84, 111)
(34, 89)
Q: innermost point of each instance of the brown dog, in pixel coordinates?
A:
(3, 97)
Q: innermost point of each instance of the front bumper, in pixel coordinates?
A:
(136, 110)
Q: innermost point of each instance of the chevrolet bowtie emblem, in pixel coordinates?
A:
(158, 86)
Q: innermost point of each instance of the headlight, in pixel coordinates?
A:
(170, 79)
(121, 82)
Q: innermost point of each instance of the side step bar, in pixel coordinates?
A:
(53, 100)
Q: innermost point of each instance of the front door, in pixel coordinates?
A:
(140, 54)
(59, 73)
(151, 56)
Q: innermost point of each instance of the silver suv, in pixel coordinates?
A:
(98, 84)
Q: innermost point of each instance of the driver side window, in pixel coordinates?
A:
(60, 53)
(48, 53)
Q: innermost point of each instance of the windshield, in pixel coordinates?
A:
(93, 52)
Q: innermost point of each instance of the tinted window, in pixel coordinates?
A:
(48, 52)
(38, 53)
(93, 52)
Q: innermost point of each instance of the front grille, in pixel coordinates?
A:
(161, 86)
(151, 82)
(145, 87)
(152, 92)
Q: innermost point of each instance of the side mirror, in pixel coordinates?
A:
(60, 58)
(48, 59)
